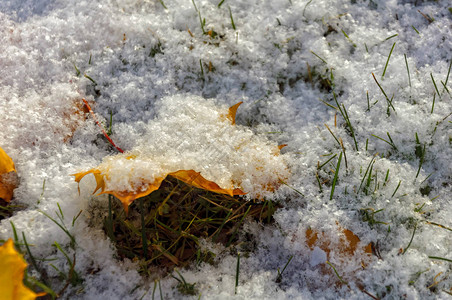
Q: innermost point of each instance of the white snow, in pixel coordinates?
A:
(150, 63)
(180, 138)
(318, 256)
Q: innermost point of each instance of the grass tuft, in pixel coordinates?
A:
(390, 142)
(163, 229)
(389, 101)
(279, 277)
(344, 114)
(61, 225)
(184, 287)
(369, 167)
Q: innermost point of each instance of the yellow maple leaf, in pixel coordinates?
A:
(122, 167)
(7, 176)
(12, 267)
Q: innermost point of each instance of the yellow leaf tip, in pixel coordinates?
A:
(233, 112)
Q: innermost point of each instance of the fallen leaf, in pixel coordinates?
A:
(8, 176)
(347, 246)
(6, 163)
(240, 163)
(127, 197)
(344, 250)
(12, 266)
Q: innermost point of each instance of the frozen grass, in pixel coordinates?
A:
(376, 73)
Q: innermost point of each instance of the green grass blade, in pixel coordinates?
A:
(387, 61)
(337, 274)
(365, 174)
(32, 258)
(336, 174)
(434, 83)
(448, 73)
(163, 4)
(304, 9)
(384, 93)
(321, 166)
(421, 162)
(90, 79)
(232, 19)
(62, 228)
(441, 258)
(16, 237)
(407, 70)
(412, 237)
(433, 103)
(397, 188)
(319, 57)
(445, 88)
(390, 37)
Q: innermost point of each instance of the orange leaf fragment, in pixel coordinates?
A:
(11, 277)
(6, 163)
(233, 111)
(8, 176)
(195, 179)
(127, 197)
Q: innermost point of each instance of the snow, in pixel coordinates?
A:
(317, 256)
(146, 61)
(180, 138)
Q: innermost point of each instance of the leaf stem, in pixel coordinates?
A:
(100, 126)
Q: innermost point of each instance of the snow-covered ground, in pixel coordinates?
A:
(283, 59)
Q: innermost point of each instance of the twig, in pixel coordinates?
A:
(100, 126)
(427, 17)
